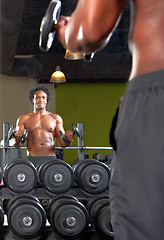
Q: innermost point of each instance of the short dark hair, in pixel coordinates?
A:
(33, 91)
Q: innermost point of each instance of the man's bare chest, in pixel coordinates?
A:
(45, 122)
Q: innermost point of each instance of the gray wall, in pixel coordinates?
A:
(14, 100)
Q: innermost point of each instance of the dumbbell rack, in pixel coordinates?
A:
(48, 233)
(41, 193)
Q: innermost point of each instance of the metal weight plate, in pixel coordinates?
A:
(56, 176)
(75, 130)
(92, 176)
(20, 176)
(47, 33)
(24, 136)
(68, 217)
(11, 132)
(101, 216)
(26, 218)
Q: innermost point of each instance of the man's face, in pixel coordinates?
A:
(40, 100)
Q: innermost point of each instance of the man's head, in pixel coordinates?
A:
(33, 91)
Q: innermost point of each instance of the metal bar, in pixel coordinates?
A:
(6, 145)
(69, 148)
(81, 153)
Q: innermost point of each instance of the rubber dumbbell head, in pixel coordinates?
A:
(20, 176)
(56, 176)
(68, 217)
(26, 217)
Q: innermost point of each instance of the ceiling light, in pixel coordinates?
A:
(73, 55)
(58, 76)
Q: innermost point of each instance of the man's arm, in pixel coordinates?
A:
(90, 26)
(68, 134)
(19, 131)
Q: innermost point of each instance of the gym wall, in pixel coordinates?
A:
(92, 104)
(14, 100)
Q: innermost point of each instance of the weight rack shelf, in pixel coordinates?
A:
(48, 234)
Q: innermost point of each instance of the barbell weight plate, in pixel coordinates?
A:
(47, 33)
(20, 176)
(68, 217)
(92, 176)
(26, 218)
(56, 176)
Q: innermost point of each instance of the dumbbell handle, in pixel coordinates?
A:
(63, 137)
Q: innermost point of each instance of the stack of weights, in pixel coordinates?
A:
(68, 215)
(92, 177)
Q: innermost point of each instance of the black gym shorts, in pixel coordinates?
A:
(137, 175)
(38, 160)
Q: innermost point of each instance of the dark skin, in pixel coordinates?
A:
(92, 23)
(43, 127)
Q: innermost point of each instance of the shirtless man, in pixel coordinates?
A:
(137, 178)
(43, 127)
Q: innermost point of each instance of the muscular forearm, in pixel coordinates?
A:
(66, 139)
(18, 137)
(78, 38)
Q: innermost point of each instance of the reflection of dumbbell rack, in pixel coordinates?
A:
(75, 191)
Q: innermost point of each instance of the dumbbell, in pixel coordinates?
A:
(56, 176)
(99, 210)
(47, 32)
(75, 131)
(92, 176)
(20, 176)
(11, 134)
(26, 216)
(67, 216)
(99, 156)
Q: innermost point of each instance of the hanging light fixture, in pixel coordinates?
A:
(73, 55)
(58, 76)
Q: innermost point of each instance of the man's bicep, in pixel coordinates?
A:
(20, 124)
(59, 125)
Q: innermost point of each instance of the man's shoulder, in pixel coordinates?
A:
(26, 115)
(57, 117)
